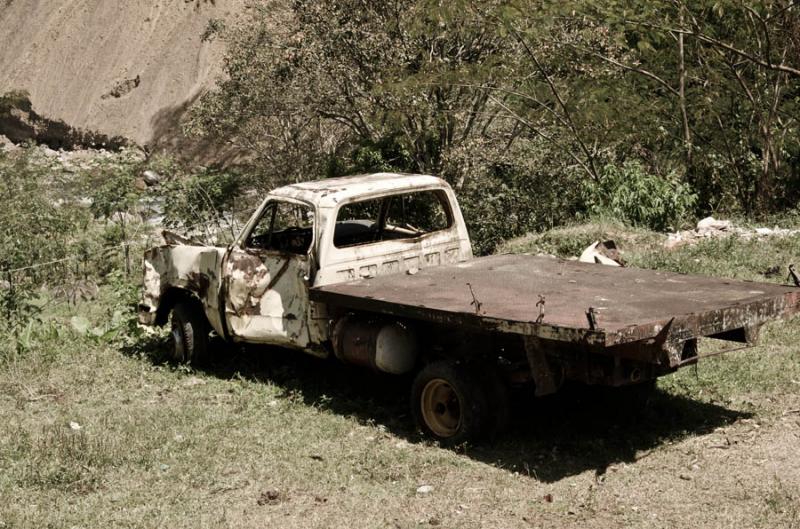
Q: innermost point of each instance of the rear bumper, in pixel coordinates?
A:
(672, 343)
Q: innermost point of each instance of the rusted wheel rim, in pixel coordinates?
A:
(441, 408)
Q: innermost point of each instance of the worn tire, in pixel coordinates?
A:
(449, 403)
(189, 333)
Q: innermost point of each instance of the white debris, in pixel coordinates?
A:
(710, 227)
(74, 426)
(151, 178)
(601, 253)
(424, 489)
(710, 223)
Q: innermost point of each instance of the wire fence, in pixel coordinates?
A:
(127, 244)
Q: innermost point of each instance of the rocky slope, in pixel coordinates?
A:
(116, 68)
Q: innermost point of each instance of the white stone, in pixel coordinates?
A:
(710, 223)
(151, 178)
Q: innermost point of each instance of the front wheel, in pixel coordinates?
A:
(448, 403)
(189, 333)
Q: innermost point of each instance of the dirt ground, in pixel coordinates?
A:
(118, 68)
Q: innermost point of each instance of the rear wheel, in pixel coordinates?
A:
(448, 403)
(189, 333)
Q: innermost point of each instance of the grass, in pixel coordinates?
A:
(102, 431)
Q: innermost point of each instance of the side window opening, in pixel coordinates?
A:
(284, 227)
(405, 216)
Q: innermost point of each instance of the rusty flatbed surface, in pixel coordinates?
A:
(631, 304)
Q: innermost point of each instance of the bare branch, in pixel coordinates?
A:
(571, 124)
(636, 69)
(702, 37)
(536, 130)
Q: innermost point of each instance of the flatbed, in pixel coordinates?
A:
(501, 293)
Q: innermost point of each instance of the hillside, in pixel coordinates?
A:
(117, 68)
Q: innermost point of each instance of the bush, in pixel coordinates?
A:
(630, 193)
(197, 202)
(507, 192)
(37, 223)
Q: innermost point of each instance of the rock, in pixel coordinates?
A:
(271, 497)
(710, 223)
(151, 178)
(710, 228)
(74, 426)
(7, 145)
(424, 489)
(140, 184)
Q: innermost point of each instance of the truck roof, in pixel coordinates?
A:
(331, 191)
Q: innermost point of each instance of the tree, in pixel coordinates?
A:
(520, 104)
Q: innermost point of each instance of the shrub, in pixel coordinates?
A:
(199, 200)
(630, 193)
(37, 223)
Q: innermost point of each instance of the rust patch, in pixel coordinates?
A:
(199, 283)
(249, 309)
(247, 264)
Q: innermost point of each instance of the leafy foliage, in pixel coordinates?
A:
(200, 197)
(38, 223)
(504, 97)
(629, 193)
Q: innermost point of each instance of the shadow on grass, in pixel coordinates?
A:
(589, 428)
(550, 438)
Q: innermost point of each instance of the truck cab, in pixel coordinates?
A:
(304, 235)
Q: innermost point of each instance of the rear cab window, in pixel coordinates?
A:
(406, 216)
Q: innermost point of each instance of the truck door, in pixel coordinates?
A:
(266, 276)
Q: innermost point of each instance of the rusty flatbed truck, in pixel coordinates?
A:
(377, 270)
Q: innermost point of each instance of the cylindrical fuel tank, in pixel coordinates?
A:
(390, 347)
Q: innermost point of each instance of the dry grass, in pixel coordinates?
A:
(271, 438)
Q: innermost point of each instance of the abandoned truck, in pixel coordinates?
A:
(377, 270)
